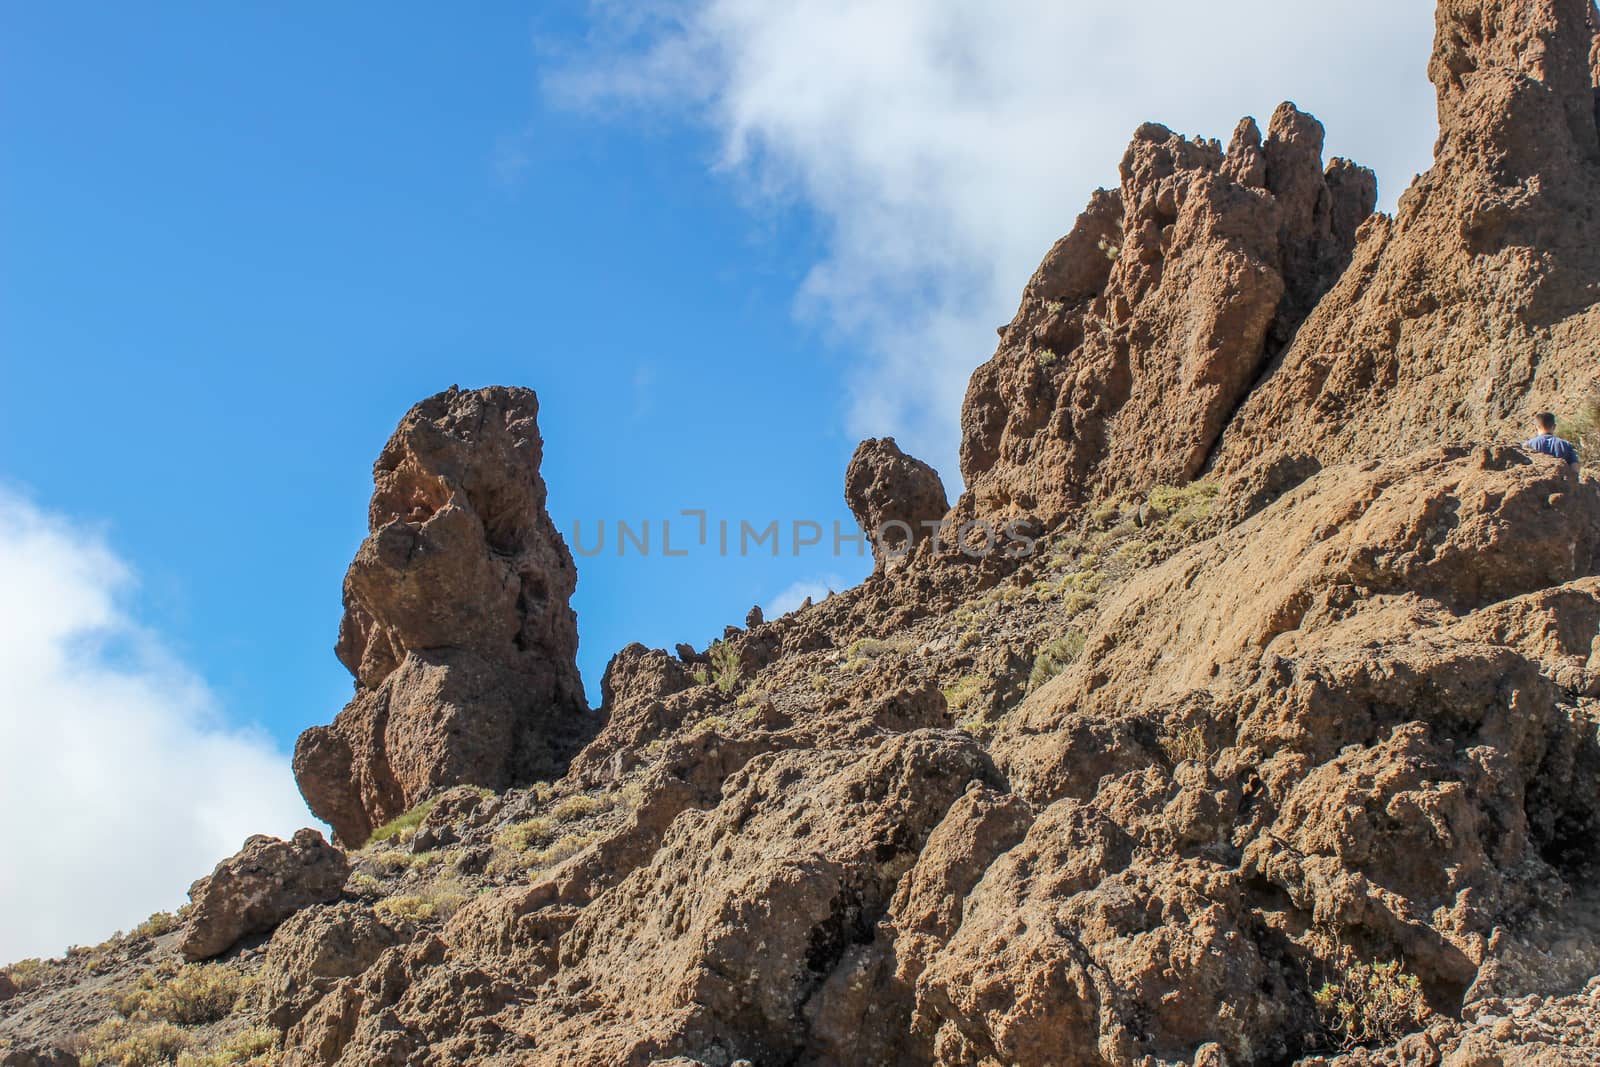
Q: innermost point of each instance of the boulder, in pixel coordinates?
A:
(894, 497)
(258, 887)
(456, 627)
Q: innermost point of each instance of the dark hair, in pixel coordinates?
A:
(1547, 419)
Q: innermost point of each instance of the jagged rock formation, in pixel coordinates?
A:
(1478, 303)
(257, 888)
(1146, 326)
(1158, 794)
(456, 625)
(897, 500)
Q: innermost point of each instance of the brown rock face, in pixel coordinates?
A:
(1145, 327)
(893, 497)
(257, 888)
(456, 626)
(315, 948)
(1479, 303)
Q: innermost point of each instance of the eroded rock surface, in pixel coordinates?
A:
(456, 626)
(1147, 325)
(897, 500)
(259, 887)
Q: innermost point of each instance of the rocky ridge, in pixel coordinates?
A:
(1279, 748)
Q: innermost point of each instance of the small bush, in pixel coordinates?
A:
(1582, 428)
(162, 922)
(964, 692)
(724, 666)
(438, 900)
(255, 1047)
(363, 884)
(402, 827)
(1055, 657)
(701, 676)
(580, 805)
(190, 995)
(1183, 506)
(1371, 1003)
(1046, 357)
(27, 974)
(1185, 743)
(124, 1043)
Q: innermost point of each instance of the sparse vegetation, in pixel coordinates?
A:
(1183, 506)
(724, 666)
(1046, 357)
(438, 900)
(402, 827)
(28, 974)
(1582, 428)
(580, 805)
(1054, 307)
(964, 692)
(125, 1043)
(255, 1047)
(161, 922)
(189, 995)
(1373, 1003)
(1185, 743)
(1055, 657)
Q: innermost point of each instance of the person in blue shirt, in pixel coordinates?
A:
(1547, 442)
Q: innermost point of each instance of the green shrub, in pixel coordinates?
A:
(579, 805)
(1582, 428)
(1055, 657)
(1371, 1003)
(1185, 743)
(162, 922)
(438, 900)
(255, 1047)
(1183, 506)
(190, 995)
(964, 692)
(402, 827)
(1046, 357)
(124, 1043)
(27, 974)
(724, 666)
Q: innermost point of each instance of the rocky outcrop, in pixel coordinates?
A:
(456, 626)
(1479, 302)
(897, 500)
(315, 948)
(1147, 325)
(259, 887)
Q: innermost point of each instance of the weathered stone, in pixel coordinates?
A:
(257, 888)
(456, 626)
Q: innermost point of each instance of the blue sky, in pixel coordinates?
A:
(239, 246)
(723, 239)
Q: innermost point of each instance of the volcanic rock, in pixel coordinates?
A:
(1147, 325)
(258, 887)
(456, 626)
(894, 497)
(1479, 302)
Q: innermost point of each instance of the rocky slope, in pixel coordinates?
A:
(1279, 747)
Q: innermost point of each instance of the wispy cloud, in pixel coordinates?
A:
(122, 781)
(943, 145)
(815, 589)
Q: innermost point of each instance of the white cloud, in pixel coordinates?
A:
(120, 781)
(943, 145)
(817, 589)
